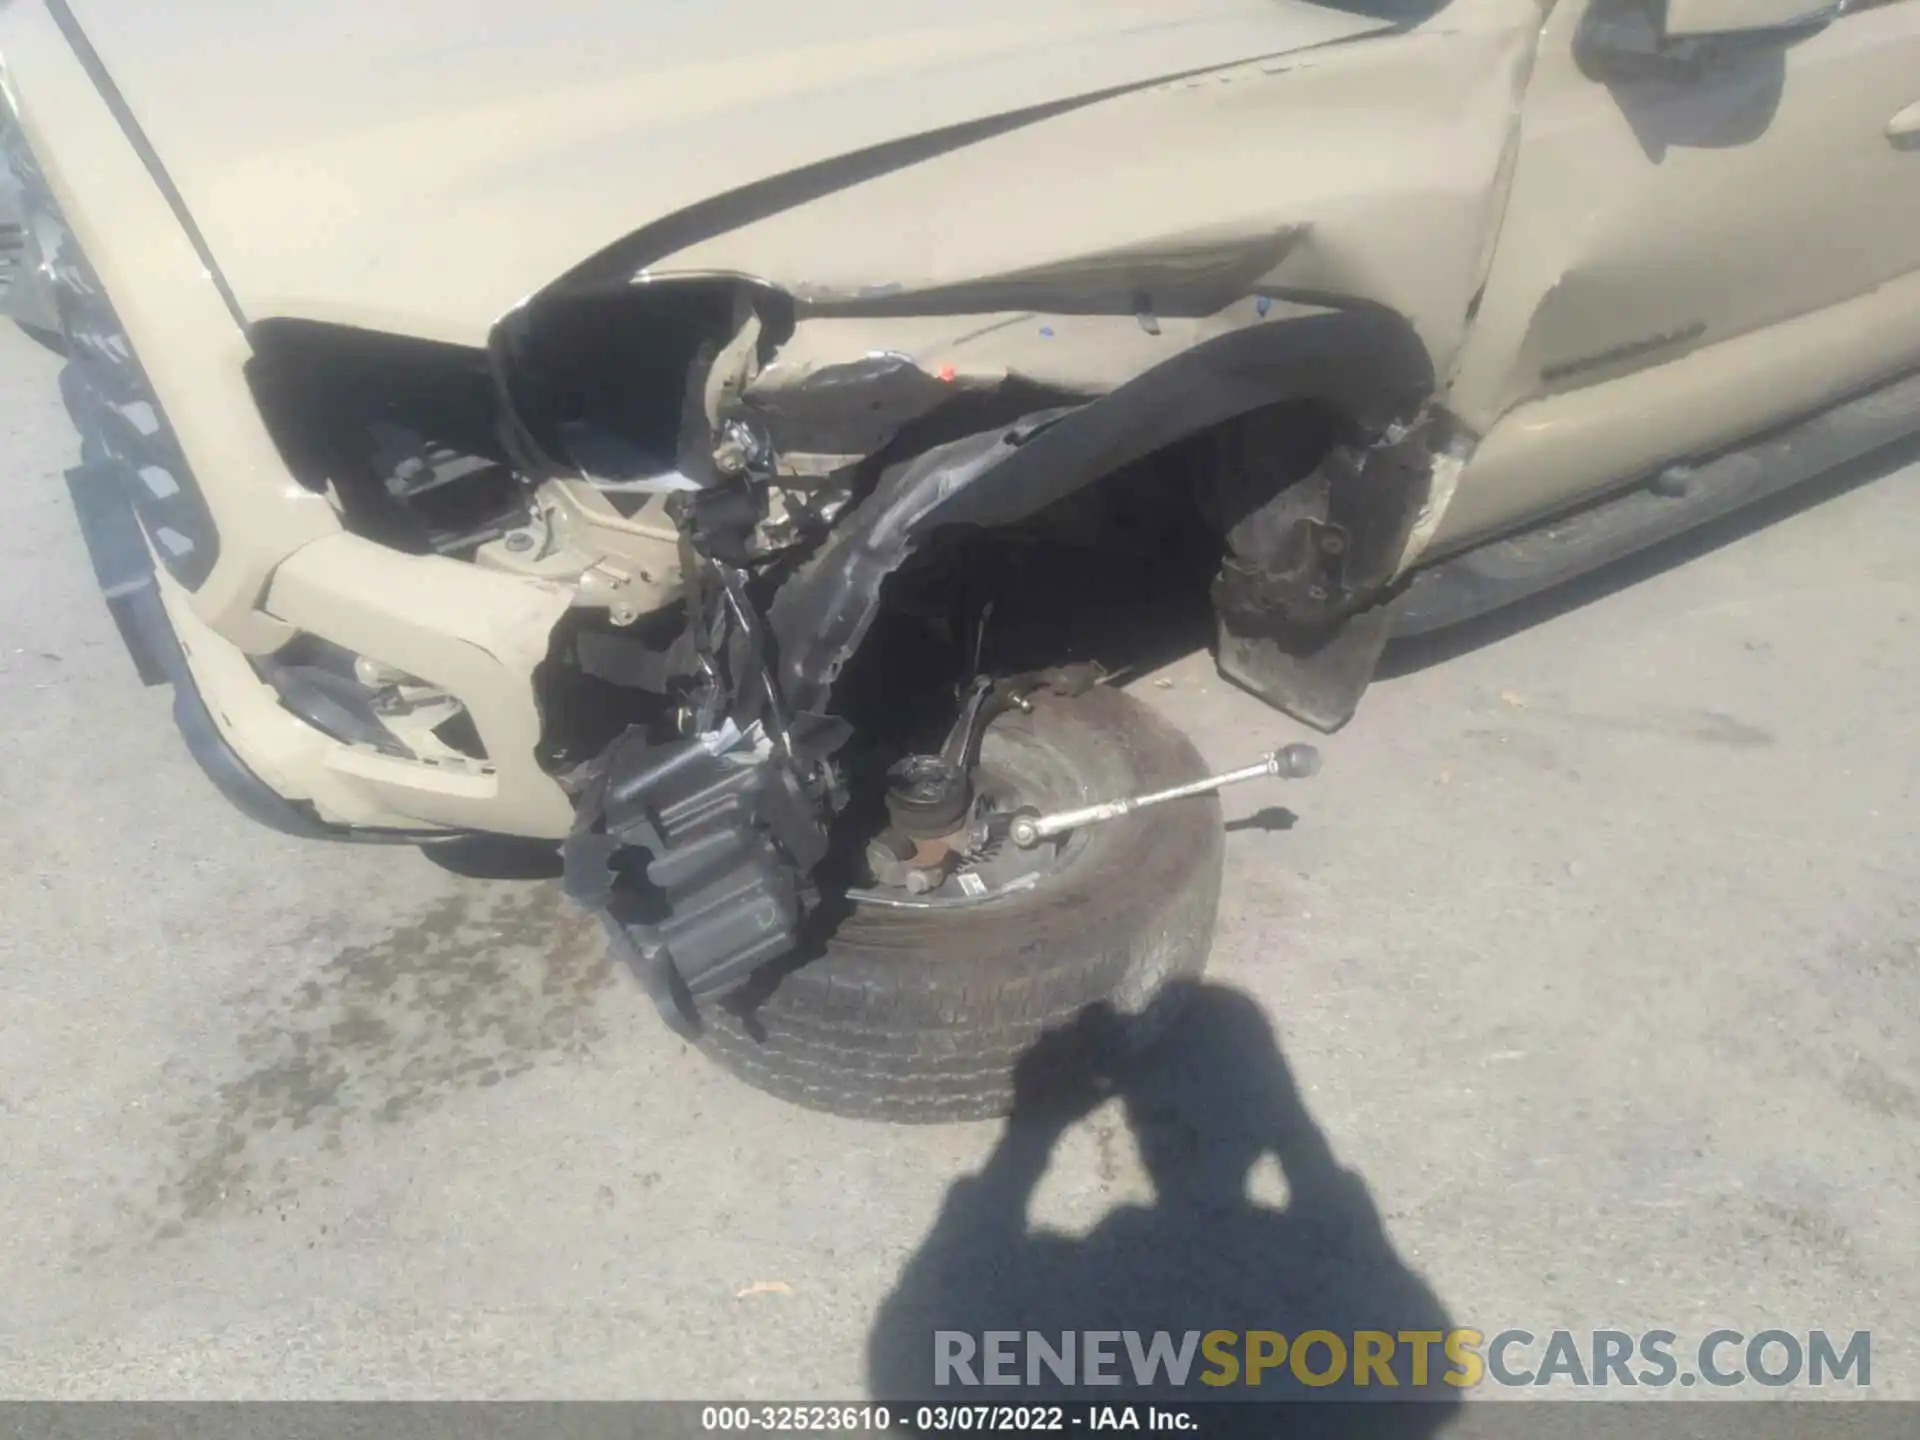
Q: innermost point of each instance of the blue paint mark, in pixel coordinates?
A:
(1046, 332)
(1262, 305)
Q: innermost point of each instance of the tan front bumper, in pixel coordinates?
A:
(475, 634)
(284, 564)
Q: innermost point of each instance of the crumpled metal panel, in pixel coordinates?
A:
(425, 166)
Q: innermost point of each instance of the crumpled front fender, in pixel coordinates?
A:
(1367, 362)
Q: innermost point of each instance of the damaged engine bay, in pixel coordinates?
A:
(801, 591)
(751, 447)
(779, 513)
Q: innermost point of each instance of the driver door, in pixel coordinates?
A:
(1705, 235)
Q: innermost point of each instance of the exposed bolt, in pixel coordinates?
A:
(919, 882)
(518, 540)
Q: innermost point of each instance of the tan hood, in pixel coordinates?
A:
(423, 165)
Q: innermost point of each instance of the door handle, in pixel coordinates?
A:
(1904, 129)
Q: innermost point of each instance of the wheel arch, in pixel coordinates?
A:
(1365, 363)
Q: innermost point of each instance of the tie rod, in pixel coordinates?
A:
(1027, 828)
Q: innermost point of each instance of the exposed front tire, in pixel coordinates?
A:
(920, 1012)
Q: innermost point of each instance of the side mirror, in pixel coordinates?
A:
(1697, 19)
(1673, 40)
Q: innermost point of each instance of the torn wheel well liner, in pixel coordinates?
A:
(1366, 363)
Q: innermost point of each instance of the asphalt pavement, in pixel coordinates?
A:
(1593, 955)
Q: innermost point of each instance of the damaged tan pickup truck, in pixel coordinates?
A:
(744, 442)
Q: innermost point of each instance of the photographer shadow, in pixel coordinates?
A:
(1213, 1101)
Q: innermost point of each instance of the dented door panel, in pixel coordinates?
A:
(1659, 217)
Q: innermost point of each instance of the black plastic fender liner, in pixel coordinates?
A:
(1367, 362)
(696, 854)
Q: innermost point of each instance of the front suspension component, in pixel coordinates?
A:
(1294, 762)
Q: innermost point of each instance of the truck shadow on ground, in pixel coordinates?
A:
(1214, 1101)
